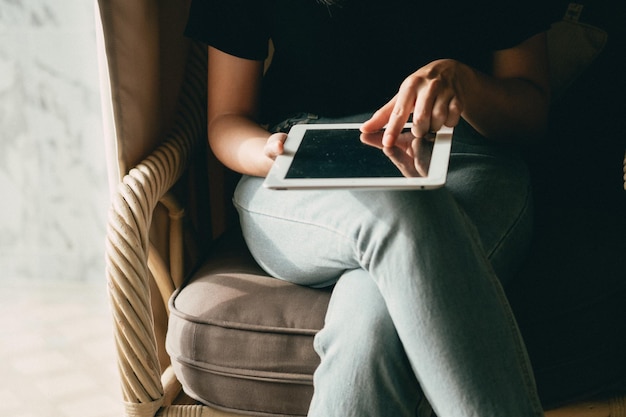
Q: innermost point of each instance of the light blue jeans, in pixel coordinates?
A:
(418, 317)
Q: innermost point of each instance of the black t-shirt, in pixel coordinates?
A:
(341, 60)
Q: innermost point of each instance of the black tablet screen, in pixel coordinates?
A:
(340, 153)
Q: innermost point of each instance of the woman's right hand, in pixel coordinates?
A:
(275, 145)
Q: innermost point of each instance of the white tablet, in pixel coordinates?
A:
(340, 156)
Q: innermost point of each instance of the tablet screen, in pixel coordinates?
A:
(342, 153)
(341, 156)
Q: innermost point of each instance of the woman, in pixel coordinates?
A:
(417, 318)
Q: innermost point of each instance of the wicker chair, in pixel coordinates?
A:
(164, 185)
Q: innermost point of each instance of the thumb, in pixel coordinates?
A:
(275, 145)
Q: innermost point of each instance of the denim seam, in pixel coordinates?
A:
(521, 354)
(517, 221)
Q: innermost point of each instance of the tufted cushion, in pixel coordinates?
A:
(233, 330)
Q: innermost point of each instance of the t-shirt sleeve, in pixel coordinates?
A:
(237, 27)
(514, 21)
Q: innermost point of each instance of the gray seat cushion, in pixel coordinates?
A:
(238, 337)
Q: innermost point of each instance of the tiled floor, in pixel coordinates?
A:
(57, 351)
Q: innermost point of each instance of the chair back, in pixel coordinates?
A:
(153, 83)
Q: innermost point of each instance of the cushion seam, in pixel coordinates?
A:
(251, 374)
(242, 326)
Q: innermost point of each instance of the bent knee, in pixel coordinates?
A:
(357, 319)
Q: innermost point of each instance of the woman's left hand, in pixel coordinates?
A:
(433, 94)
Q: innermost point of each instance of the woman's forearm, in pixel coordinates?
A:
(509, 104)
(238, 142)
(513, 103)
(512, 109)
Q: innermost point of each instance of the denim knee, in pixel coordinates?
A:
(364, 370)
(357, 315)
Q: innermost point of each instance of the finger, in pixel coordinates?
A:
(422, 113)
(403, 141)
(374, 139)
(455, 109)
(404, 105)
(401, 160)
(422, 155)
(275, 145)
(379, 119)
(440, 112)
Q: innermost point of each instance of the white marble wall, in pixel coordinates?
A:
(53, 192)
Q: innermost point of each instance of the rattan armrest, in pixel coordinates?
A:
(128, 247)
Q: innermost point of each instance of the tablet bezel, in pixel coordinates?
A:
(436, 178)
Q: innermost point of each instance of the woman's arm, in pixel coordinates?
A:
(235, 137)
(512, 103)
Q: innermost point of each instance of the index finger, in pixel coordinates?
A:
(399, 115)
(379, 119)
